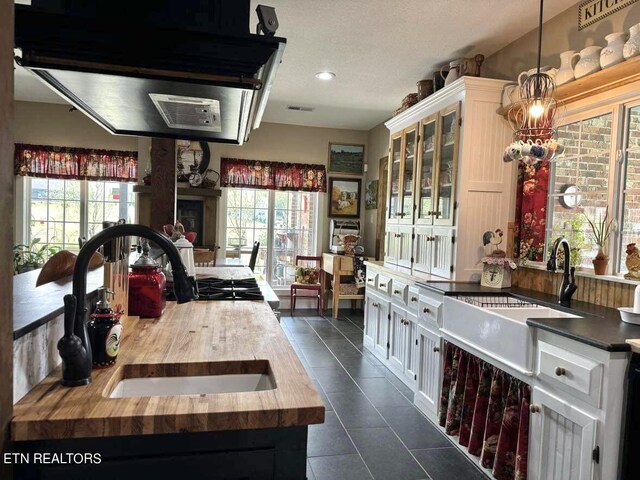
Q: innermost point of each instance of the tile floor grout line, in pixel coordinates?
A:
(375, 408)
(390, 427)
(346, 432)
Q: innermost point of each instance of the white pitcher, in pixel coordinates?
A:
(457, 68)
(568, 62)
(632, 47)
(589, 61)
(612, 53)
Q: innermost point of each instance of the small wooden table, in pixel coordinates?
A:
(336, 265)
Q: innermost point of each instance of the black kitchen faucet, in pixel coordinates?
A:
(567, 287)
(74, 346)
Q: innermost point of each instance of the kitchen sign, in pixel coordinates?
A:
(593, 11)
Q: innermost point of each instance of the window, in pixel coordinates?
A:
(580, 185)
(283, 222)
(601, 160)
(61, 211)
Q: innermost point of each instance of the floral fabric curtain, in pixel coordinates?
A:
(272, 175)
(488, 410)
(531, 211)
(75, 163)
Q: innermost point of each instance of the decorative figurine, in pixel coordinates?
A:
(496, 272)
(632, 262)
(105, 331)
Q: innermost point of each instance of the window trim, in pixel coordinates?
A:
(23, 206)
(618, 107)
(222, 237)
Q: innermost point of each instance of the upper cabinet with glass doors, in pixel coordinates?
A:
(404, 147)
(446, 166)
(425, 172)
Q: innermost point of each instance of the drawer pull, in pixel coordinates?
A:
(534, 409)
(396, 292)
(374, 304)
(382, 285)
(560, 371)
(370, 280)
(436, 349)
(414, 299)
(426, 310)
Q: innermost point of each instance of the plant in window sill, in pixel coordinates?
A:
(601, 229)
(31, 256)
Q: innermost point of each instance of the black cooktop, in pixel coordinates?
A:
(218, 289)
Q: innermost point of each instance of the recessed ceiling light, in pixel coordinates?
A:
(325, 75)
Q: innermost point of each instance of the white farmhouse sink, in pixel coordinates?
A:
(522, 314)
(191, 385)
(497, 331)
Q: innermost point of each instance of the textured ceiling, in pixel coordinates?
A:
(378, 49)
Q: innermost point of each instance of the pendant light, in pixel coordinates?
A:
(532, 117)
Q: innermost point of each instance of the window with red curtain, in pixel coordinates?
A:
(272, 175)
(75, 163)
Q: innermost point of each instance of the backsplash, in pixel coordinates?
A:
(592, 290)
(35, 355)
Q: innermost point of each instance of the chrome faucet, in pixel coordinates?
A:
(568, 286)
(74, 347)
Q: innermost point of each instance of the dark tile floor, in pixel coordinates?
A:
(372, 429)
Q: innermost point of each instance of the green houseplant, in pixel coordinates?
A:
(601, 230)
(31, 256)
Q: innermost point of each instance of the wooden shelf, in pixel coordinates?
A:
(194, 192)
(599, 82)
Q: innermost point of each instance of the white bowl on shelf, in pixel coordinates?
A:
(627, 315)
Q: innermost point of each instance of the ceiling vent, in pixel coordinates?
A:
(297, 108)
(188, 112)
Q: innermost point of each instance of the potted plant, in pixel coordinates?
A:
(31, 256)
(601, 230)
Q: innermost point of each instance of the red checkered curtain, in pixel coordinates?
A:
(75, 163)
(488, 410)
(272, 175)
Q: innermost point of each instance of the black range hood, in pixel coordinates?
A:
(189, 69)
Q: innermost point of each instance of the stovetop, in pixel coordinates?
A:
(218, 289)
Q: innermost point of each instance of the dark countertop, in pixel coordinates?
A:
(600, 326)
(34, 306)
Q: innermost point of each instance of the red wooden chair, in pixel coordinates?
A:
(297, 285)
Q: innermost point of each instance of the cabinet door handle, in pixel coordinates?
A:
(433, 239)
(429, 212)
(534, 409)
(560, 371)
(436, 349)
(414, 299)
(374, 304)
(426, 310)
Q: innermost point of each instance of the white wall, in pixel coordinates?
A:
(558, 35)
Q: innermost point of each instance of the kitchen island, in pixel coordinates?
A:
(251, 434)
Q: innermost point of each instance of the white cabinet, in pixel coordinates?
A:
(429, 361)
(371, 302)
(379, 316)
(562, 439)
(402, 345)
(447, 180)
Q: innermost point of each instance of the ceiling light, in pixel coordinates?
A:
(325, 75)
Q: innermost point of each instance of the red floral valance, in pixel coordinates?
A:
(272, 175)
(76, 163)
(531, 211)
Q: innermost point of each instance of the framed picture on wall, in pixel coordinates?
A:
(371, 195)
(348, 159)
(191, 214)
(344, 197)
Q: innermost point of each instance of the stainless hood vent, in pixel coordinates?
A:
(187, 69)
(188, 112)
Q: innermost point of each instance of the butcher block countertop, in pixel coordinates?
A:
(201, 338)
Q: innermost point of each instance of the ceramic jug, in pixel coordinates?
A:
(612, 53)
(457, 68)
(632, 47)
(589, 61)
(568, 62)
(546, 69)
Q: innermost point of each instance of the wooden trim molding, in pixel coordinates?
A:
(6, 232)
